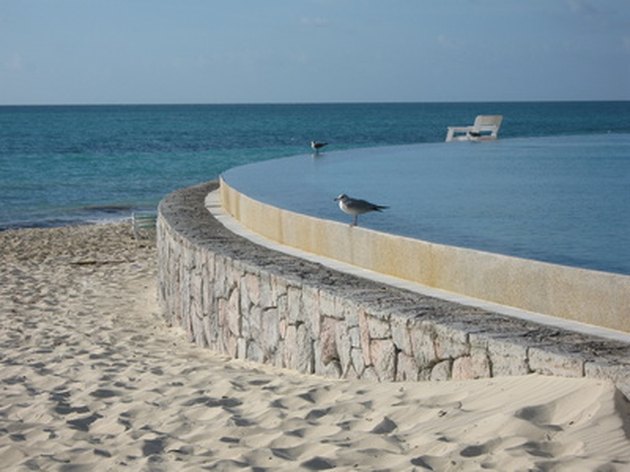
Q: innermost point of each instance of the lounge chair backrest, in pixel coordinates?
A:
(487, 121)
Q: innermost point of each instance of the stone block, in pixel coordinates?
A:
(450, 342)
(279, 286)
(480, 363)
(254, 352)
(282, 306)
(355, 336)
(327, 304)
(309, 311)
(245, 302)
(277, 357)
(211, 322)
(364, 336)
(369, 375)
(327, 340)
(270, 332)
(188, 258)
(187, 321)
(194, 308)
(358, 363)
(209, 266)
(349, 311)
(250, 284)
(617, 371)
(234, 273)
(282, 328)
(406, 368)
(310, 300)
(220, 280)
(298, 350)
(230, 345)
(196, 289)
(267, 293)
(241, 348)
(184, 290)
(198, 332)
(344, 346)
(478, 341)
(470, 367)
(294, 305)
(441, 371)
(233, 313)
(378, 328)
(305, 358)
(290, 347)
(206, 297)
(462, 368)
(400, 335)
(251, 323)
(507, 357)
(424, 374)
(332, 370)
(383, 355)
(422, 343)
(551, 362)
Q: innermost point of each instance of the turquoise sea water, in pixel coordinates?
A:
(64, 165)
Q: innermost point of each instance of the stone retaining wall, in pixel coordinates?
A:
(254, 303)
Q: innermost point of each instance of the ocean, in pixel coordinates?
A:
(62, 165)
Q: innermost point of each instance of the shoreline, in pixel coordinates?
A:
(92, 378)
(85, 221)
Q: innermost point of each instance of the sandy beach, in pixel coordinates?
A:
(91, 378)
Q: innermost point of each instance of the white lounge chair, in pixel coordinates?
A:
(485, 128)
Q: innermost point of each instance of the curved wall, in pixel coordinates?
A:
(597, 298)
(255, 303)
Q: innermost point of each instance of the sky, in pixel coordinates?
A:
(304, 51)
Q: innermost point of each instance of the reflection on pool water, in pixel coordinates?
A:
(564, 199)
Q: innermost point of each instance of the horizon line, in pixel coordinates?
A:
(392, 102)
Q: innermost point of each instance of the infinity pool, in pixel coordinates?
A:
(564, 200)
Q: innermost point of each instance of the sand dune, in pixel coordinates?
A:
(92, 379)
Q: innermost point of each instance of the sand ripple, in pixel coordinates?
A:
(91, 379)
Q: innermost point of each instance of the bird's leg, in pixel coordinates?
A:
(354, 220)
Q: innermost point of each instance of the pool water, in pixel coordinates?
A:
(563, 199)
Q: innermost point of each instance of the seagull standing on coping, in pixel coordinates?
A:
(356, 207)
(316, 145)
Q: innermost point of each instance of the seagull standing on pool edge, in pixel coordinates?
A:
(317, 145)
(356, 207)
